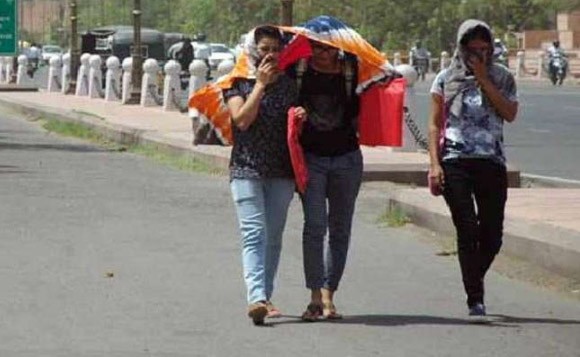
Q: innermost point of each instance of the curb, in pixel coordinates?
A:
(553, 248)
(547, 181)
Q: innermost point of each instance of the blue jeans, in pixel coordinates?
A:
(328, 204)
(262, 206)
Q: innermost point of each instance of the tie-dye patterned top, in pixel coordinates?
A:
(478, 132)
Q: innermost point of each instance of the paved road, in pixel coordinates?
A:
(544, 140)
(109, 254)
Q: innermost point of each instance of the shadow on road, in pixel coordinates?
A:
(533, 320)
(9, 169)
(494, 320)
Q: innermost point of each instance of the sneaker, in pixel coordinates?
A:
(477, 310)
(477, 313)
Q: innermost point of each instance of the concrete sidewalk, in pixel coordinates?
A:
(542, 225)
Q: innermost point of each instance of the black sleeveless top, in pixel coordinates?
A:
(331, 127)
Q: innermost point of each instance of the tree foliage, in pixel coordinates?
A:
(388, 24)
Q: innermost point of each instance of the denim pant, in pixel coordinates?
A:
(328, 204)
(262, 206)
(476, 193)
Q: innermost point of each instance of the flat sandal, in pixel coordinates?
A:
(312, 313)
(329, 311)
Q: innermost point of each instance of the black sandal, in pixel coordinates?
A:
(312, 313)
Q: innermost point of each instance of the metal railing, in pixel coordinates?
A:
(415, 131)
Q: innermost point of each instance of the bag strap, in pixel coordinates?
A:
(348, 71)
(300, 69)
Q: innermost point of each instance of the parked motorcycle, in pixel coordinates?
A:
(184, 79)
(421, 65)
(557, 69)
(31, 67)
(501, 58)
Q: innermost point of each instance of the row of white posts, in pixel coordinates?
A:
(117, 78)
(444, 62)
(520, 69)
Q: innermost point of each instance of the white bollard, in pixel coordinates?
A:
(22, 77)
(172, 86)
(112, 80)
(126, 87)
(9, 69)
(410, 62)
(445, 60)
(224, 68)
(83, 76)
(149, 87)
(198, 71)
(65, 73)
(54, 74)
(520, 58)
(411, 75)
(397, 59)
(2, 71)
(540, 64)
(95, 76)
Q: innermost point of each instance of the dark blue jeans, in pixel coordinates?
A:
(476, 193)
(328, 204)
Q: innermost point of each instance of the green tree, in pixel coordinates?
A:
(387, 24)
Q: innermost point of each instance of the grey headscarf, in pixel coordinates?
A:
(458, 81)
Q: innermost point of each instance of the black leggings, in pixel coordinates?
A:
(476, 193)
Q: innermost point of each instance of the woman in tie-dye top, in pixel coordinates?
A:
(470, 102)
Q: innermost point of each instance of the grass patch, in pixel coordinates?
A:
(394, 217)
(76, 130)
(178, 161)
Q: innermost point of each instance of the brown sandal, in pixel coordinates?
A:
(329, 311)
(312, 313)
(257, 312)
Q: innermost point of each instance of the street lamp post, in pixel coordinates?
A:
(286, 13)
(137, 70)
(74, 48)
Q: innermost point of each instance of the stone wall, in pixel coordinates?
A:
(568, 21)
(539, 39)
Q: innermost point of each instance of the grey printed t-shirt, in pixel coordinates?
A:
(479, 131)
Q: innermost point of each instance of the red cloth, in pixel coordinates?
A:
(296, 153)
(297, 49)
(381, 114)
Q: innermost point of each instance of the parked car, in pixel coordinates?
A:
(219, 53)
(118, 41)
(240, 46)
(49, 51)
